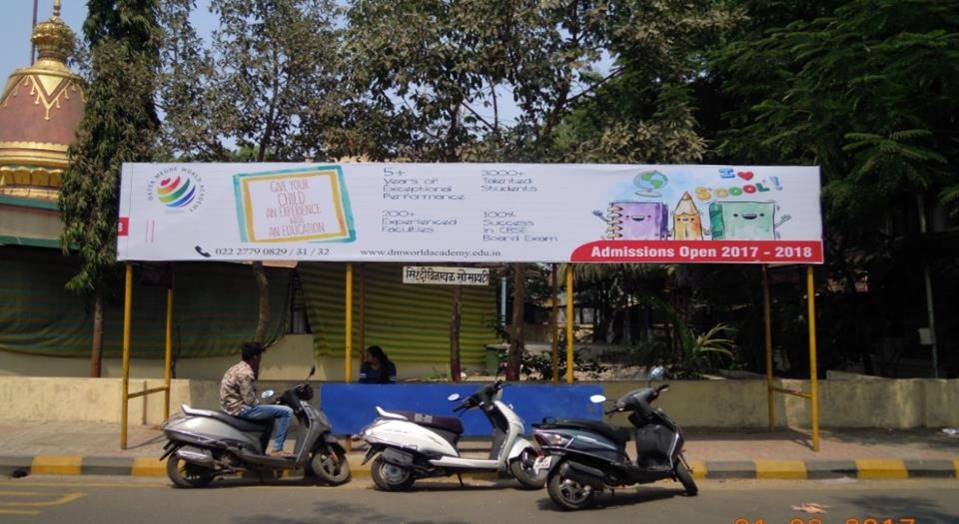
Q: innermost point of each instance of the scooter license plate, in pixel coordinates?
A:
(542, 463)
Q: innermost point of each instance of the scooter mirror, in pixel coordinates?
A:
(267, 394)
(312, 371)
(597, 399)
(454, 397)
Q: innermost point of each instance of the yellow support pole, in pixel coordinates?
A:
(813, 376)
(127, 309)
(767, 319)
(554, 324)
(569, 323)
(362, 312)
(168, 351)
(348, 326)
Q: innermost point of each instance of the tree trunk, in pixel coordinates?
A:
(455, 323)
(96, 353)
(627, 316)
(263, 313)
(516, 344)
(553, 325)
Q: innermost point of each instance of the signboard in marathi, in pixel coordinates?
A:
(462, 276)
(471, 213)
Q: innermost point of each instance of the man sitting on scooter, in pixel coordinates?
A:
(238, 396)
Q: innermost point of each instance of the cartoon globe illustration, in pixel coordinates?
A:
(650, 182)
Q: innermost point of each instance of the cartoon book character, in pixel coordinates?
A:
(744, 220)
(687, 224)
(636, 221)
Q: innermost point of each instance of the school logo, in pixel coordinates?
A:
(177, 189)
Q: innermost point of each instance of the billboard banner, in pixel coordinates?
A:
(470, 213)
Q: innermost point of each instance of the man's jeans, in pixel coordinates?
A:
(261, 412)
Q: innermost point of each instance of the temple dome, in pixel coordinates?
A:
(40, 110)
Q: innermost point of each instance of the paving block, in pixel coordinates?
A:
(830, 469)
(881, 469)
(106, 465)
(730, 469)
(930, 468)
(56, 465)
(780, 469)
(9, 464)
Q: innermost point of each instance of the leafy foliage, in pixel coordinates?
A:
(869, 93)
(120, 125)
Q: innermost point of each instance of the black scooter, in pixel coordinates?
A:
(586, 456)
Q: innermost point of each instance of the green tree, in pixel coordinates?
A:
(120, 125)
(869, 92)
(186, 68)
(270, 85)
(440, 73)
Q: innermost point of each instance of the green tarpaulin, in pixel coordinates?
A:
(215, 308)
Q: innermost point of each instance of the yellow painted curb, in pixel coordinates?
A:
(881, 469)
(699, 468)
(148, 467)
(780, 469)
(56, 465)
(955, 466)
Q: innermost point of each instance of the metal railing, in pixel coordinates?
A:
(168, 345)
(813, 395)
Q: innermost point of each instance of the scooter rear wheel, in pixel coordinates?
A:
(567, 493)
(330, 466)
(187, 475)
(390, 477)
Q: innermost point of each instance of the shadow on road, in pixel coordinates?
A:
(888, 507)
(340, 512)
(624, 497)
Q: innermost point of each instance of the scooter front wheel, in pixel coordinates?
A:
(686, 478)
(187, 475)
(567, 493)
(524, 472)
(390, 477)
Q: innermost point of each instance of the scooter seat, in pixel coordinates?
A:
(618, 435)
(238, 423)
(451, 424)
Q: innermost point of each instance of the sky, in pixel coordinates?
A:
(17, 20)
(16, 27)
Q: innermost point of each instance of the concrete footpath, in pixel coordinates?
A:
(82, 448)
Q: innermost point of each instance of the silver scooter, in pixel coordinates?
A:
(207, 444)
(410, 446)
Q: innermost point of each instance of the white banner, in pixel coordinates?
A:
(462, 276)
(470, 213)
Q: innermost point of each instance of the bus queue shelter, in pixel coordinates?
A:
(471, 213)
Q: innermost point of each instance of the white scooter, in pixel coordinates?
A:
(414, 445)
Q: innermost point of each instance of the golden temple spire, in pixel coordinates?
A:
(53, 37)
